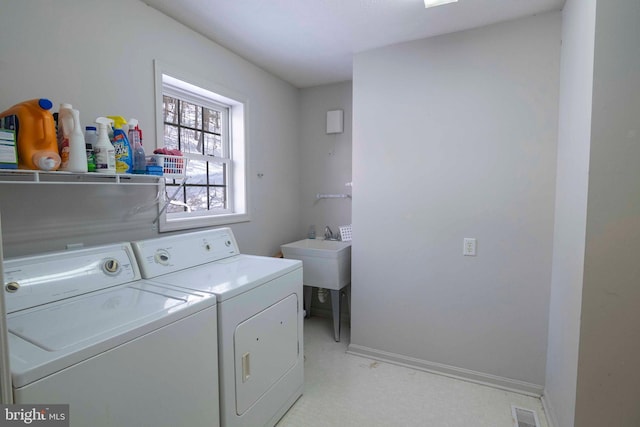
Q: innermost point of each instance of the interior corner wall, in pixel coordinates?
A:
(608, 374)
(99, 56)
(325, 159)
(574, 138)
(325, 167)
(454, 137)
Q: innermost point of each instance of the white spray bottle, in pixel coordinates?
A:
(103, 150)
(65, 125)
(135, 139)
(77, 154)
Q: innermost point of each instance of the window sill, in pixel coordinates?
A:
(199, 222)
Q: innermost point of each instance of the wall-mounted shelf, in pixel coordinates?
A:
(23, 176)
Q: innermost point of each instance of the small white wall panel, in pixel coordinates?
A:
(335, 121)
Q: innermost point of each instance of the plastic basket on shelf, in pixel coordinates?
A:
(173, 167)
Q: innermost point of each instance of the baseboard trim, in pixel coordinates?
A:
(548, 411)
(495, 381)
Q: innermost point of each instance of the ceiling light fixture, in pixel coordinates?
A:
(433, 3)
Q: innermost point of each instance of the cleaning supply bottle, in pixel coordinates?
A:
(75, 156)
(65, 125)
(124, 152)
(91, 158)
(35, 135)
(105, 153)
(90, 139)
(135, 139)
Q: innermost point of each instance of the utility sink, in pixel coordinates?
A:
(325, 263)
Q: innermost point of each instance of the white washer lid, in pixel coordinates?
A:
(48, 338)
(232, 276)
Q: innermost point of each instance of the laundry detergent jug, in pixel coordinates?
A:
(35, 134)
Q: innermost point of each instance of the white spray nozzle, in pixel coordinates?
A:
(132, 123)
(104, 122)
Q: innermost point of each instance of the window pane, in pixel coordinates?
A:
(212, 121)
(197, 198)
(170, 136)
(190, 115)
(190, 141)
(170, 109)
(218, 198)
(212, 145)
(174, 208)
(197, 172)
(216, 174)
(178, 197)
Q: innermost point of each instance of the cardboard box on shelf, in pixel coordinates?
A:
(8, 153)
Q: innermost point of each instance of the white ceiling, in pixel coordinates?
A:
(312, 42)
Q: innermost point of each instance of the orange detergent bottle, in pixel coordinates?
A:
(35, 134)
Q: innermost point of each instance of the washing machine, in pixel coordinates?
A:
(84, 330)
(260, 318)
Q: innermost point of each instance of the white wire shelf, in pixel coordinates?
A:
(24, 176)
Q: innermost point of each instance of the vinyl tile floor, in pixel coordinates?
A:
(342, 390)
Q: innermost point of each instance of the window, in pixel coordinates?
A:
(208, 128)
(202, 130)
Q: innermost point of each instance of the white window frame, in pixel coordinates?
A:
(178, 83)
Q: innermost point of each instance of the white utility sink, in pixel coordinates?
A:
(325, 263)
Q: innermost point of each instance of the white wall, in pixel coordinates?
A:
(99, 56)
(455, 137)
(325, 160)
(574, 138)
(325, 167)
(608, 374)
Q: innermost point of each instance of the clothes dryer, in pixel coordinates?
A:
(260, 318)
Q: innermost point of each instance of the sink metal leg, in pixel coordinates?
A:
(335, 309)
(307, 300)
(346, 292)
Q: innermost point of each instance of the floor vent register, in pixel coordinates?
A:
(524, 417)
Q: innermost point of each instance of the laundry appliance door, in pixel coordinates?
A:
(266, 348)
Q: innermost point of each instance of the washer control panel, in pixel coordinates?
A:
(39, 279)
(179, 251)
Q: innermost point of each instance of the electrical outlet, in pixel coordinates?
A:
(469, 247)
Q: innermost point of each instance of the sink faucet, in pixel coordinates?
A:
(328, 234)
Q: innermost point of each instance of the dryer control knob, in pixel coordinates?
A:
(12, 287)
(227, 243)
(162, 257)
(111, 266)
